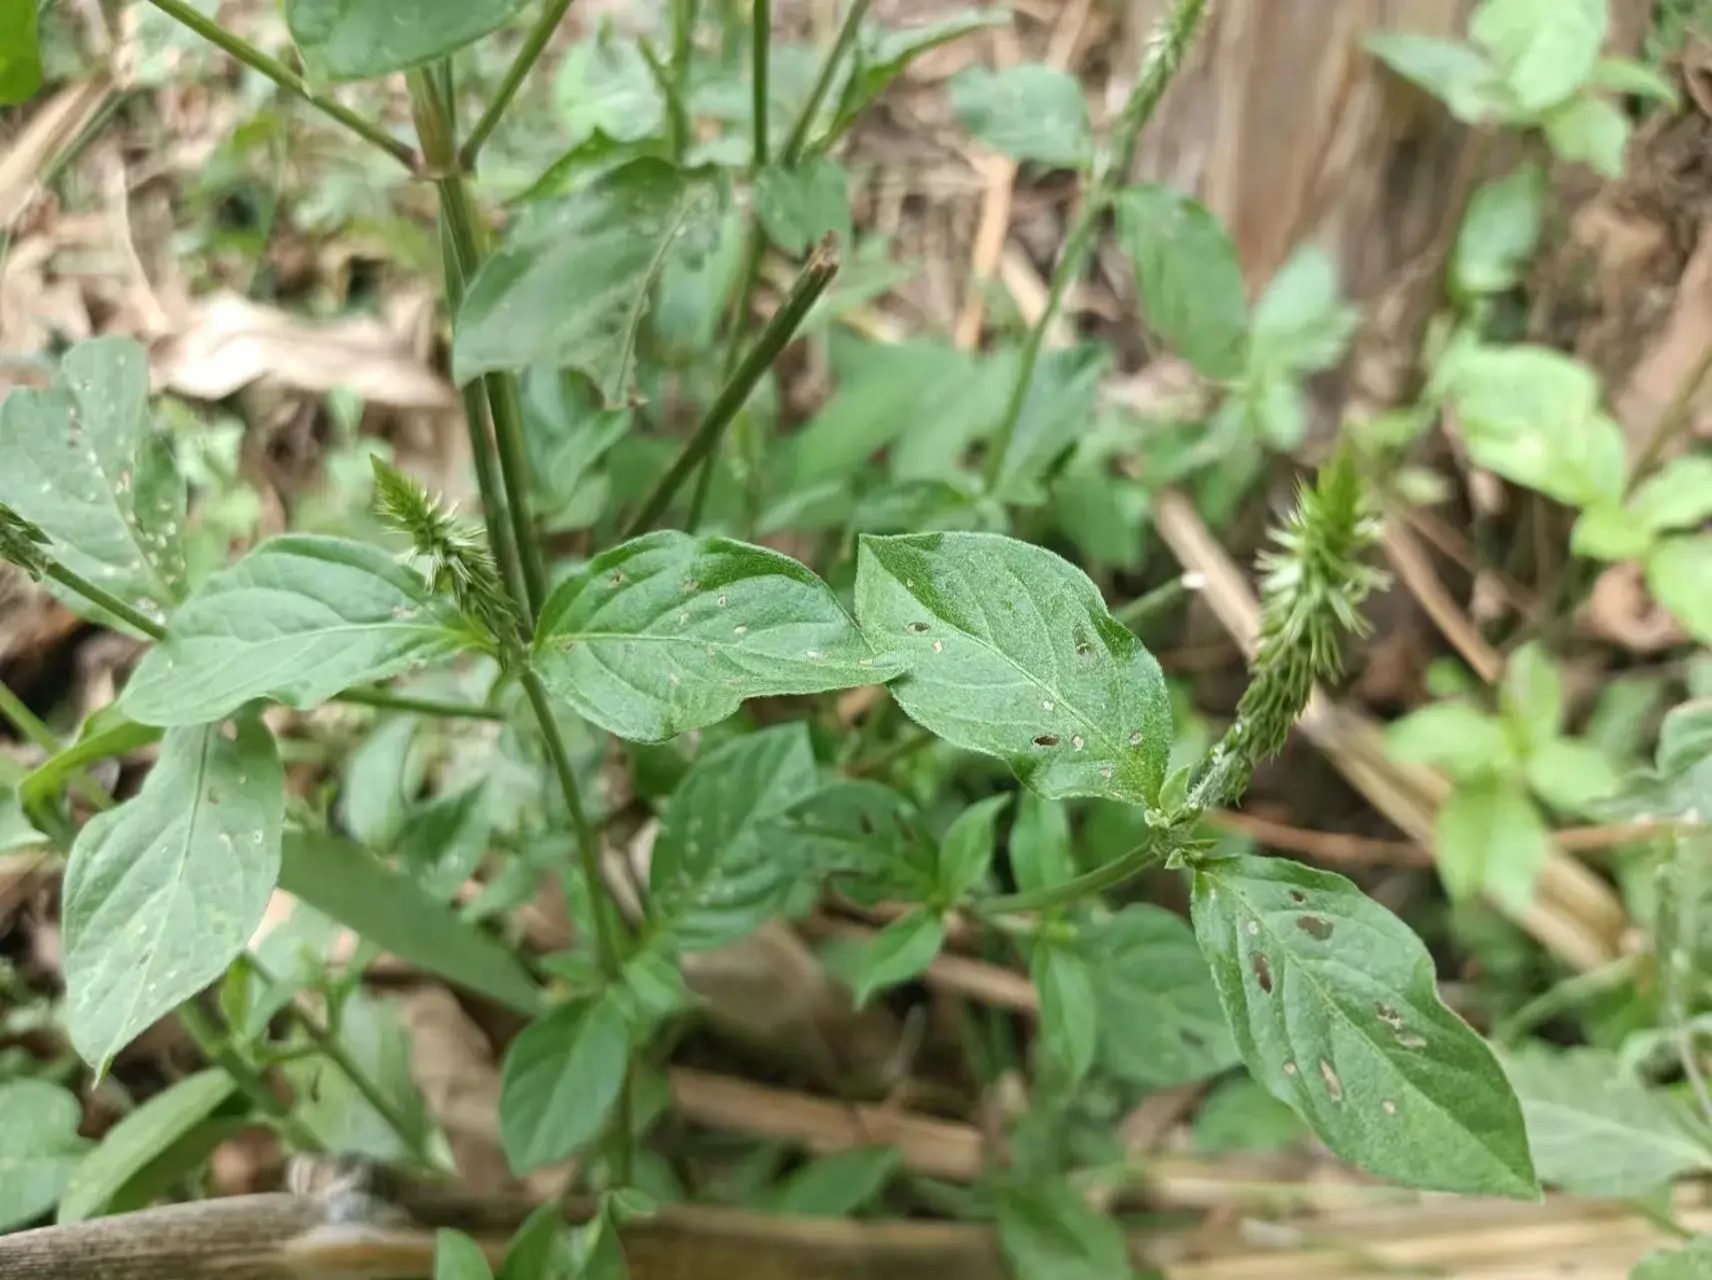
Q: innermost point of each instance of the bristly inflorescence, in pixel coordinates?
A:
(21, 542)
(458, 561)
(1313, 583)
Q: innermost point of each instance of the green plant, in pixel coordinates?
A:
(621, 293)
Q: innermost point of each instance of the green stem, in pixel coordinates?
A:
(32, 726)
(797, 143)
(215, 1046)
(443, 708)
(760, 46)
(533, 46)
(810, 283)
(505, 403)
(1149, 853)
(286, 79)
(1164, 54)
(104, 599)
(333, 1049)
(1146, 607)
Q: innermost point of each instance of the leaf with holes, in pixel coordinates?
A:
(1187, 274)
(569, 285)
(716, 872)
(298, 620)
(1596, 1131)
(356, 39)
(1027, 112)
(1160, 1023)
(162, 893)
(141, 1137)
(1014, 654)
(561, 1077)
(667, 633)
(82, 461)
(1336, 1008)
(41, 1150)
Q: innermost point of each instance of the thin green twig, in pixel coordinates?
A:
(1165, 53)
(810, 283)
(760, 47)
(527, 56)
(286, 79)
(443, 708)
(215, 1046)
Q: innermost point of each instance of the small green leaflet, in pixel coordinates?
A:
(333, 1108)
(82, 461)
(1335, 1006)
(836, 1186)
(1679, 574)
(1027, 112)
(883, 53)
(1489, 838)
(41, 1149)
(1590, 131)
(799, 206)
(604, 87)
(1544, 49)
(717, 872)
(1069, 1004)
(137, 1140)
(569, 285)
(1500, 232)
(1015, 655)
(1596, 1131)
(1040, 843)
(20, 57)
(861, 830)
(1679, 496)
(899, 952)
(1188, 277)
(1047, 1231)
(966, 852)
(1451, 71)
(299, 619)
(164, 892)
(457, 1257)
(668, 632)
(356, 39)
(1160, 1022)
(560, 1080)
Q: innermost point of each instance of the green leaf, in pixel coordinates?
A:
(1679, 574)
(604, 86)
(1451, 71)
(104, 735)
(1239, 1115)
(1500, 232)
(139, 1138)
(1544, 49)
(882, 54)
(357, 39)
(333, 1108)
(457, 1257)
(20, 55)
(1069, 1001)
(716, 874)
(861, 829)
(1678, 497)
(838, 1185)
(1040, 854)
(1336, 1008)
(1160, 1021)
(1530, 696)
(1691, 1262)
(381, 779)
(899, 952)
(798, 207)
(82, 461)
(41, 1149)
(668, 632)
(299, 619)
(1685, 736)
(1302, 323)
(561, 1077)
(1188, 278)
(162, 893)
(1462, 740)
(1047, 1231)
(1488, 837)
(1607, 530)
(1572, 776)
(1626, 76)
(1016, 656)
(1591, 131)
(1532, 415)
(341, 880)
(1027, 112)
(966, 852)
(569, 284)
(1596, 1131)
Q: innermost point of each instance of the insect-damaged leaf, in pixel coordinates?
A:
(299, 619)
(1013, 653)
(1335, 1006)
(668, 632)
(162, 893)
